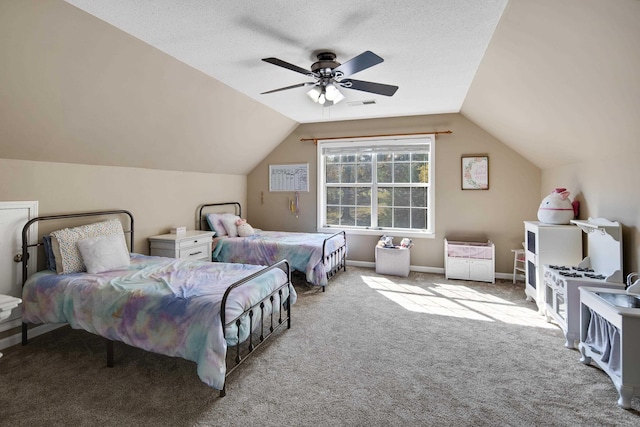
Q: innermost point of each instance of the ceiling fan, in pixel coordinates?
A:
(329, 75)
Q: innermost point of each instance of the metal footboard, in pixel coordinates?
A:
(259, 308)
(336, 259)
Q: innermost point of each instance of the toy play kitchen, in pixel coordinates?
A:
(610, 335)
(601, 268)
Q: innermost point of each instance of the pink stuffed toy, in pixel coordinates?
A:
(556, 208)
(244, 229)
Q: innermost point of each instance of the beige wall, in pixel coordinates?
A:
(74, 89)
(496, 214)
(607, 188)
(158, 200)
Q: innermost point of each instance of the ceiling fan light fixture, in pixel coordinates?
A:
(333, 94)
(314, 93)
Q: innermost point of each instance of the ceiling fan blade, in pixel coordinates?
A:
(281, 63)
(290, 87)
(358, 63)
(377, 88)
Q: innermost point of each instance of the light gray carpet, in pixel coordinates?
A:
(371, 351)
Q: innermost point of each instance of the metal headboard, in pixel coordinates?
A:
(237, 209)
(25, 230)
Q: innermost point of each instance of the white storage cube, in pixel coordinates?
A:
(393, 261)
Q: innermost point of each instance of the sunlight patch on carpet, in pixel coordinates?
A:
(445, 299)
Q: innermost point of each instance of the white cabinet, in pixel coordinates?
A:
(548, 244)
(470, 261)
(13, 217)
(193, 245)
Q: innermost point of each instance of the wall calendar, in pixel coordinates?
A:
(293, 177)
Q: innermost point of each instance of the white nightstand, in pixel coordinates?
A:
(192, 245)
(7, 304)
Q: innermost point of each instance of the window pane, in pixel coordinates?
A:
(419, 172)
(419, 218)
(348, 196)
(401, 218)
(385, 196)
(364, 172)
(402, 157)
(387, 157)
(348, 216)
(385, 217)
(419, 197)
(333, 215)
(364, 197)
(348, 158)
(348, 173)
(401, 196)
(331, 158)
(363, 217)
(401, 172)
(364, 158)
(333, 196)
(333, 173)
(384, 172)
(419, 157)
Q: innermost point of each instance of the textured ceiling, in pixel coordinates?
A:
(431, 48)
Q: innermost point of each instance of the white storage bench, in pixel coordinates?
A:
(470, 261)
(393, 261)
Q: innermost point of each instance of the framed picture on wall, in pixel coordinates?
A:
(475, 172)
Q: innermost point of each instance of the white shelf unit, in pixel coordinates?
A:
(470, 260)
(548, 244)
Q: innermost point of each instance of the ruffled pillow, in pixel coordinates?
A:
(64, 243)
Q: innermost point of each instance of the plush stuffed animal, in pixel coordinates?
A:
(556, 208)
(244, 229)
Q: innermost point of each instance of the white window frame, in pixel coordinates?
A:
(429, 232)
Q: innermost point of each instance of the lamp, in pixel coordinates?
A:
(326, 95)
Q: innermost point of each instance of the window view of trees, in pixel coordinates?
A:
(392, 186)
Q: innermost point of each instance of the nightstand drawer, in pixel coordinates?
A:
(194, 241)
(194, 252)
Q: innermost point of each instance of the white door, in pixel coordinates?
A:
(13, 217)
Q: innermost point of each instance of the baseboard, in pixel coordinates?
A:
(421, 269)
(33, 332)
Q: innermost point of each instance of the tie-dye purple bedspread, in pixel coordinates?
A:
(302, 250)
(163, 305)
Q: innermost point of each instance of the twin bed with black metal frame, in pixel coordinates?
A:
(189, 309)
(320, 256)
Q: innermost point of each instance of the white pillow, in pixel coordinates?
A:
(229, 222)
(104, 253)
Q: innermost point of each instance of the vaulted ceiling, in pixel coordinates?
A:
(556, 81)
(431, 48)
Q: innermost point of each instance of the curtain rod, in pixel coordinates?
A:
(315, 140)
